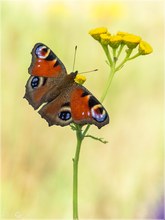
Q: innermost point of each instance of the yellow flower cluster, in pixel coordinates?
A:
(121, 38)
(80, 79)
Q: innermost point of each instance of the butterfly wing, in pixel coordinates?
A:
(45, 63)
(86, 109)
(41, 89)
(58, 111)
(75, 104)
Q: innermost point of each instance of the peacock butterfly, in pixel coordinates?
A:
(61, 100)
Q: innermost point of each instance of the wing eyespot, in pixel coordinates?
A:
(65, 114)
(42, 51)
(36, 82)
(98, 113)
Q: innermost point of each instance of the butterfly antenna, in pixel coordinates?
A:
(89, 71)
(74, 59)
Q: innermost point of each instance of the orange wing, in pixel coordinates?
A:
(75, 104)
(45, 62)
(87, 109)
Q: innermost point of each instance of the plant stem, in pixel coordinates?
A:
(108, 55)
(81, 134)
(120, 49)
(75, 172)
(129, 51)
(86, 130)
(133, 57)
(111, 75)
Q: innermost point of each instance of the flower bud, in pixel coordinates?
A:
(95, 33)
(145, 48)
(80, 79)
(122, 33)
(105, 38)
(115, 41)
(131, 40)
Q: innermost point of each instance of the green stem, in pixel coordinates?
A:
(114, 55)
(86, 130)
(75, 171)
(129, 51)
(133, 57)
(105, 48)
(111, 75)
(120, 49)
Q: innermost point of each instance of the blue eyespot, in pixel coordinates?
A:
(100, 118)
(35, 82)
(64, 115)
(98, 113)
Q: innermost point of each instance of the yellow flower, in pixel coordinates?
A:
(131, 40)
(115, 41)
(95, 33)
(122, 34)
(80, 79)
(105, 38)
(145, 48)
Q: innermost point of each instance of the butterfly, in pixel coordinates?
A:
(55, 93)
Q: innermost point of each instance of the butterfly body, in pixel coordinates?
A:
(61, 100)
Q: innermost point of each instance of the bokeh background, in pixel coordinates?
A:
(122, 179)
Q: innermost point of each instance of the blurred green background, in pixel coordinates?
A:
(122, 179)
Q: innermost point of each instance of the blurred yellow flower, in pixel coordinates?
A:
(131, 40)
(107, 11)
(145, 48)
(80, 79)
(115, 41)
(95, 33)
(58, 9)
